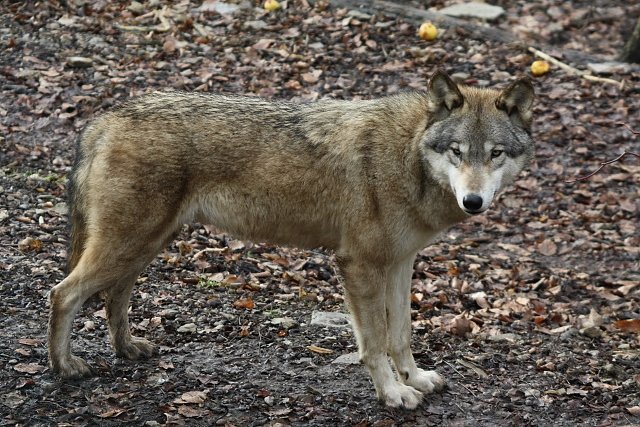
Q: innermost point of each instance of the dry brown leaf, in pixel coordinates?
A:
(30, 341)
(113, 412)
(628, 325)
(191, 412)
(263, 44)
(547, 248)
(319, 350)
(232, 279)
(460, 326)
(235, 245)
(29, 368)
(311, 77)
(165, 365)
(191, 397)
(246, 303)
(184, 247)
(30, 244)
(634, 410)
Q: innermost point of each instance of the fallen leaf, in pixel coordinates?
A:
(30, 341)
(263, 44)
(235, 245)
(246, 303)
(29, 368)
(547, 248)
(191, 397)
(634, 410)
(461, 326)
(114, 412)
(628, 325)
(191, 412)
(311, 77)
(29, 244)
(165, 365)
(319, 350)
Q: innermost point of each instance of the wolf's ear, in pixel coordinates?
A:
(444, 95)
(517, 101)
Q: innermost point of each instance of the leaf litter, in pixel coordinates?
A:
(531, 311)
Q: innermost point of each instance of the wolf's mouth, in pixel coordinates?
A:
(474, 212)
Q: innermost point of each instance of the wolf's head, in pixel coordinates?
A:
(477, 140)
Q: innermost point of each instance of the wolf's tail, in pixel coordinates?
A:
(77, 197)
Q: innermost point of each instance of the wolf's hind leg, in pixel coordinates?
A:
(398, 298)
(117, 307)
(91, 275)
(65, 299)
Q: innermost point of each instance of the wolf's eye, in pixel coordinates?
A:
(456, 151)
(496, 153)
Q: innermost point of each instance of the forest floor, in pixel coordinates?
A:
(531, 311)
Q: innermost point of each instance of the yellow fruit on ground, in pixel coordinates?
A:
(428, 31)
(271, 5)
(539, 68)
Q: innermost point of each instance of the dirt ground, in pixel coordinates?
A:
(531, 312)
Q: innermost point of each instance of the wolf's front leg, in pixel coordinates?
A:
(398, 301)
(365, 286)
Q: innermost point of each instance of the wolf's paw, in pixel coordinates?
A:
(426, 381)
(398, 395)
(136, 348)
(72, 367)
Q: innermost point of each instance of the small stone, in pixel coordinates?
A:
(79, 62)
(331, 319)
(256, 25)
(460, 77)
(359, 15)
(220, 7)
(89, 325)
(62, 208)
(187, 328)
(169, 313)
(508, 337)
(347, 359)
(610, 67)
(136, 8)
(473, 10)
(285, 322)
(591, 332)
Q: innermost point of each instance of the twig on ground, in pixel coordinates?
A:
(603, 164)
(159, 15)
(572, 70)
(608, 162)
(633, 131)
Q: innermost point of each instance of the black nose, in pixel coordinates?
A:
(473, 202)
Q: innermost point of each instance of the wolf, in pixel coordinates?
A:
(374, 181)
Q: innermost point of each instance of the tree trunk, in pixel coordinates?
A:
(631, 51)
